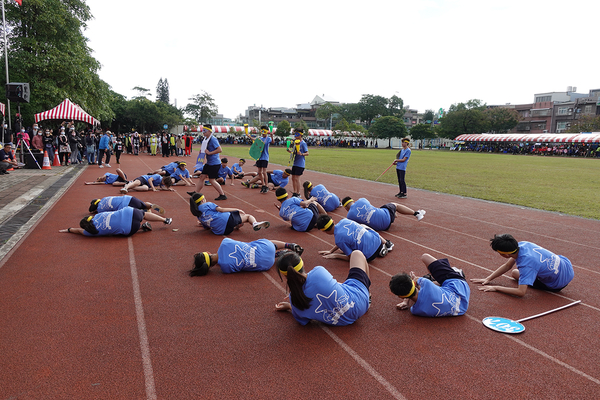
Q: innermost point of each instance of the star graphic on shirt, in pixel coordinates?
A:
(450, 299)
(287, 212)
(238, 254)
(552, 262)
(320, 308)
(367, 211)
(354, 230)
(322, 195)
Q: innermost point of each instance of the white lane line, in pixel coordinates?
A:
(141, 322)
(364, 364)
(545, 355)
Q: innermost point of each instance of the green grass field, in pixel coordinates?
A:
(561, 184)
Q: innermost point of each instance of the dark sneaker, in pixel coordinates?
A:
(383, 252)
(191, 193)
(401, 195)
(389, 245)
(245, 184)
(297, 248)
(221, 197)
(146, 226)
(168, 221)
(258, 225)
(264, 189)
(295, 194)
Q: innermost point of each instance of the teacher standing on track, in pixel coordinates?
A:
(211, 148)
(301, 150)
(400, 162)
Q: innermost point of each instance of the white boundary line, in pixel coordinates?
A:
(364, 364)
(141, 323)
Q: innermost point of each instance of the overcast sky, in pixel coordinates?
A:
(281, 53)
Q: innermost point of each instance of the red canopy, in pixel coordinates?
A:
(67, 110)
(588, 137)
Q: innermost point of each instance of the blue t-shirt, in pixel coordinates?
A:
(403, 153)
(237, 256)
(213, 144)
(224, 172)
(450, 299)
(104, 142)
(265, 153)
(332, 303)
(110, 178)
(298, 159)
(113, 203)
(156, 180)
(350, 236)
(237, 169)
(292, 211)
(552, 270)
(364, 213)
(328, 200)
(113, 223)
(278, 179)
(179, 173)
(212, 219)
(170, 168)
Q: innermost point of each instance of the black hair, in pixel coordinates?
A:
(401, 284)
(194, 204)
(323, 220)
(94, 205)
(242, 160)
(280, 192)
(295, 280)
(200, 265)
(288, 171)
(209, 126)
(299, 130)
(504, 242)
(345, 199)
(224, 161)
(307, 185)
(87, 224)
(266, 128)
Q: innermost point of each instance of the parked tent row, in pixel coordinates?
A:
(587, 137)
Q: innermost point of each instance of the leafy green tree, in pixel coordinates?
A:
(302, 124)
(421, 131)
(388, 127)
(327, 111)
(429, 116)
(48, 50)
(162, 91)
(342, 126)
(202, 107)
(141, 92)
(464, 118)
(501, 119)
(396, 107)
(370, 107)
(283, 129)
(586, 123)
(349, 111)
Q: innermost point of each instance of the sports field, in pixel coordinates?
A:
(563, 184)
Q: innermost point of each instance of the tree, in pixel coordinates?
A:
(396, 107)
(586, 123)
(326, 112)
(421, 131)
(501, 119)
(283, 129)
(141, 92)
(370, 107)
(301, 124)
(429, 116)
(388, 127)
(202, 108)
(464, 118)
(162, 91)
(48, 50)
(349, 111)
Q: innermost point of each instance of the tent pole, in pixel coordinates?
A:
(6, 61)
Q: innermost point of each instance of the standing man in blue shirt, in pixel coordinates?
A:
(400, 163)
(263, 162)
(212, 164)
(104, 148)
(301, 151)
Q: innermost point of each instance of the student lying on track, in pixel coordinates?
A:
(118, 179)
(328, 200)
(302, 214)
(234, 256)
(380, 218)
(115, 203)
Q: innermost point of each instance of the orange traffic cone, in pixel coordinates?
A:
(56, 160)
(46, 164)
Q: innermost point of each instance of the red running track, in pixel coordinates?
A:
(118, 318)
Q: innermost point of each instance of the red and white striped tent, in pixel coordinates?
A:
(586, 137)
(67, 111)
(252, 130)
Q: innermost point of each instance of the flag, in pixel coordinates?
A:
(2, 108)
(20, 2)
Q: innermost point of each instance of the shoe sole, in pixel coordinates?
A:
(158, 209)
(264, 224)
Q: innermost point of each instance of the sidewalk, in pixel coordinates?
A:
(25, 195)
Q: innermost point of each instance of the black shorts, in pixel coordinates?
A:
(542, 286)
(441, 271)
(270, 180)
(119, 179)
(392, 210)
(360, 275)
(312, 207)
(143, 181)
(136, 220)
(233, 221)
(212, 171)
(376, 254)
(297, 170)
(137, 204)
(262, 163)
